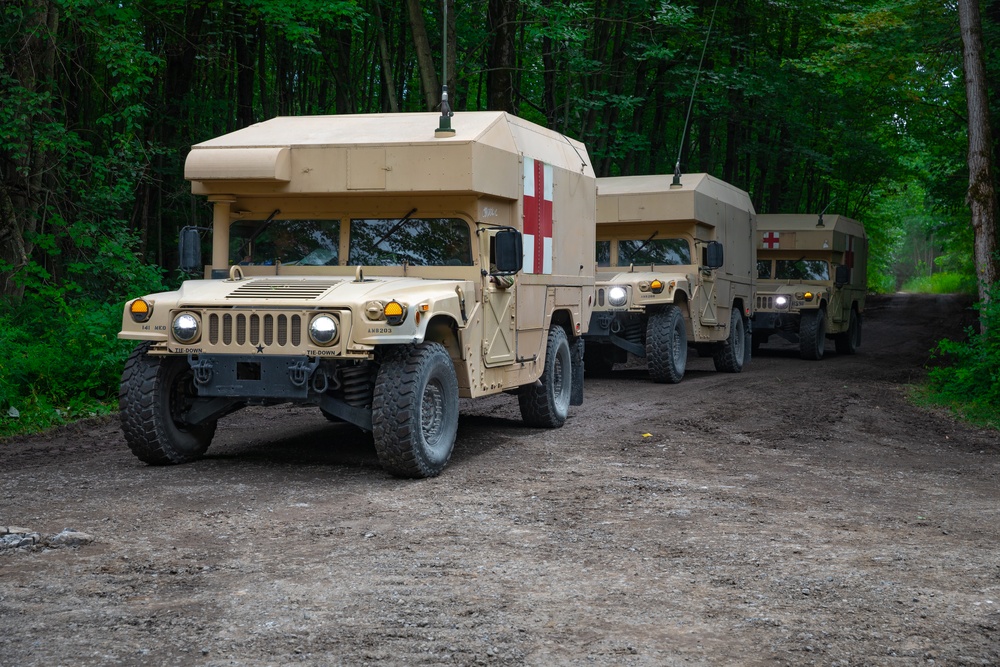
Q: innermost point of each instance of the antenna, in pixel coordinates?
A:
(819, 223)
(444, 124)
(677, 166)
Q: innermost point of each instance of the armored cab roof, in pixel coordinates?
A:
(655, 199)
(372, 153)
(790, 222)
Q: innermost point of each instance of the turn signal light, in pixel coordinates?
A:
(656, 286)
(394, 313)
(140, 309)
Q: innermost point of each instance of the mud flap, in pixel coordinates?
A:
(576, 360)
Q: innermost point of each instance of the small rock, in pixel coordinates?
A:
(70, 538)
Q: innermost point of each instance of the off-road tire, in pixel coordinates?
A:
(812, 334)
(758, 339)
(848, 342)
(666, 346)
(729, 356)
(152, 394)
(748, 349)
(597, 361)
(546, 402)
(415, 410)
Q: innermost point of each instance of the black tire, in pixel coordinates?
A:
(546, 402)
(812, 334)
(597, 360)
(666, 346)
(729, 356)
(849, 341)
(154, 392)
(415, 410)
(748, 348)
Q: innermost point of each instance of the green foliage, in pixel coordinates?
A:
(966, 377)
(942, 283)
(62, 362)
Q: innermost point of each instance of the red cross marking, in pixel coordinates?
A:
(771, 240)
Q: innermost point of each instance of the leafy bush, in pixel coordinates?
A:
(62, 359)
(967, 378)
(942, 283)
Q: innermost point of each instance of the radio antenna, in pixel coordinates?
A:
(444, 123)
(677, 166)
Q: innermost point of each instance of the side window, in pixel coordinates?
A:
(603, 254)
(764, 268)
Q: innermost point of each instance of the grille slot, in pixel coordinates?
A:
(283, 289)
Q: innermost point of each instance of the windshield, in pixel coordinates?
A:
(304, 242)
(764, 269)
(654, 251)
(417, 241)
(802, 269)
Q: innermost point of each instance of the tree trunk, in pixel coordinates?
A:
(982, 197)
(428, 76)
(501, 18)
(389, 103)
(22, 199)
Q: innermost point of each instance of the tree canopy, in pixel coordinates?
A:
(855, 106)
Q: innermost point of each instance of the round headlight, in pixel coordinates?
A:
(617, 296)
(781, 301)
(186, 328)
(323, 329)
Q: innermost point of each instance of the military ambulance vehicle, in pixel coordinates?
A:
(811, 282)
(378, 267)
(675, 267)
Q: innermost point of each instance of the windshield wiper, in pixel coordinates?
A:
(643, 244)
(260, 230)
(394, 228)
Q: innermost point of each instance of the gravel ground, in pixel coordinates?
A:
(797, 513)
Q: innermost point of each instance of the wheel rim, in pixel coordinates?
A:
(432, 412)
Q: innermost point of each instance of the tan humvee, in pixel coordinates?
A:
(812, 278)
(675, 266)
(377, 268)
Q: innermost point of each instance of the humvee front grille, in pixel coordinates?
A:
(765, 303)
(285, 289)
(283, 330)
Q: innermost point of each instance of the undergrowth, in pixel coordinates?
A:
(966, 374)
(58, 366)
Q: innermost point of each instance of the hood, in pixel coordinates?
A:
(295, 291)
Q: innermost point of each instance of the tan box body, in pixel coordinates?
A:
(798, 259)
(637, 215)
(353, 173)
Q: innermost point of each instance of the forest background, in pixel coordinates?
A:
(858, 107)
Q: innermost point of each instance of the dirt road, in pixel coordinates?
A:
(797, 513)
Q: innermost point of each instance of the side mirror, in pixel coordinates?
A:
(713, 257)
(843, 275)
(509, 255)
(189, 249)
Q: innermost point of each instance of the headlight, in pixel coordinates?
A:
(781, 302)
(140, 310)
(186, 328)
(617, 296)
(323, 329)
